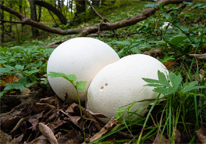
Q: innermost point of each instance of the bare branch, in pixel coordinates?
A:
(88, 30)
(17, 22)
(105, 20)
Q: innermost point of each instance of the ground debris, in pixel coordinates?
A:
(50, 120)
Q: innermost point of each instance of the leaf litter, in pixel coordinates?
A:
(50, 120)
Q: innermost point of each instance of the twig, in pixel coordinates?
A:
(103, 19)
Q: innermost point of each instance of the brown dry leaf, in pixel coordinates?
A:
(5, 138)
(160, 139)
(26, 91)
(201, 134)
(51, 115)
(71, 137)
(6, 79)
(109, 126)
(202, 74)
(74, 108)
(39, 107)
(154, 52)
(199, 56)
(47, 132)
(34, 120)
(50, 100)
(56, 124)
(19, 123)
(169, 64)
(177, 136)
(99, 115)
(39, 140)
(76, 120)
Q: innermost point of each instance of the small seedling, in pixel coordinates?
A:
(71, 78)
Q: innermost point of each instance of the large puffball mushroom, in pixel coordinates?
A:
(81, 56)
(119, 84)
(165, 26)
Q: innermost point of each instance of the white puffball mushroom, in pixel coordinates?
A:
(81, 56)
(119, 84)
(165, 25)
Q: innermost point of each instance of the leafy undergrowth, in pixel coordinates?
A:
(30, 111)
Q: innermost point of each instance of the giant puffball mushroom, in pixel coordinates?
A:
(119, 84)
(165, 25)
(81, 56)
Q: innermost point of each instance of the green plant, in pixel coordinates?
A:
(179, 97)
(28, 64)
(71, 78)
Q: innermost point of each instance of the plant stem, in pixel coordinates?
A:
(80, 109)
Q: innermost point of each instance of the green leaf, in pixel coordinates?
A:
(148, 80)
(162, 79)
(154, 85)
(12, 86)
(69, 77)
(166, 15)
(123, 42)
(191, 86)
(175, 80)
(22, 80)
(19, 67)
(175, 40)
(80, 85)
(165, 91)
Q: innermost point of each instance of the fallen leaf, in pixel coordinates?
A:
(99, 115)
(34, 120)
(5, 138)
(202, 74)
(19, 123)
(39, 107)
(6, 79)
(154, 52)
(109, 126)
(56, 124)
(47, 132)
(169, 64)
(177, 136)
(72, 137)
(199, 56)
(160, 139)
(201, 134)
(39, 140)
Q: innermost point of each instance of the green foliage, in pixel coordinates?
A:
(29, 64)
(71, 78)
(184, 91)
(163, 86)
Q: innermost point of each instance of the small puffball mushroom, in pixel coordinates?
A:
(81, 56)
(165, 25)
(119, 84)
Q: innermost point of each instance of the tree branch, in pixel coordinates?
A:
(17, 22)
(88, 30)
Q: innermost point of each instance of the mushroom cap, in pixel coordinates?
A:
(81, 56)
(119, 84)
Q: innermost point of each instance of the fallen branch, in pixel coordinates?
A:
(88, 30)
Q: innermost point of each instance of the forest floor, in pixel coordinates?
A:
(32, 113)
